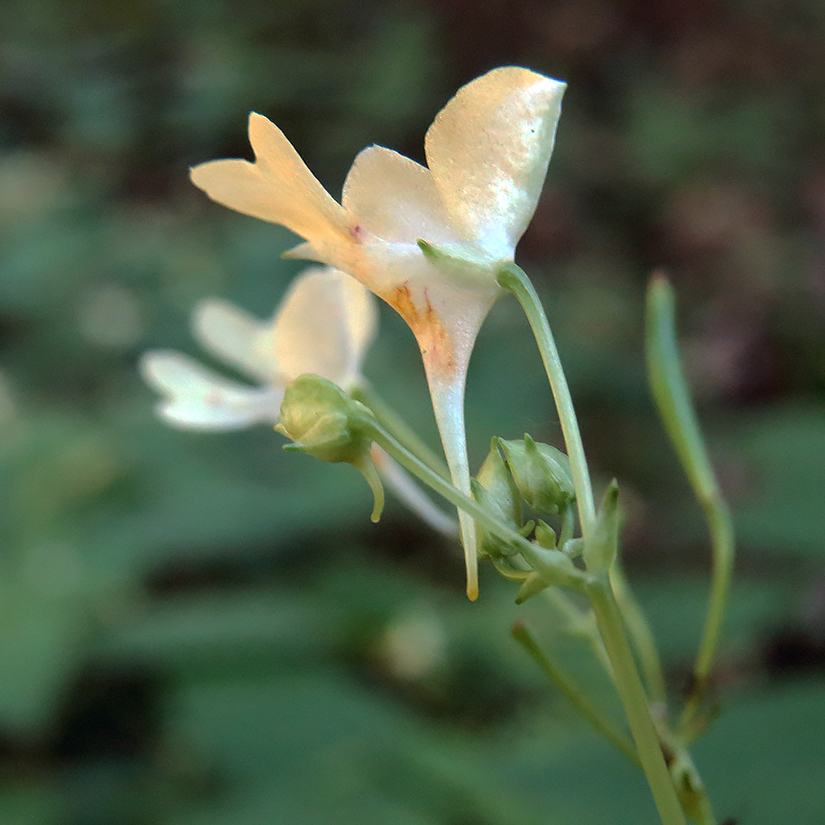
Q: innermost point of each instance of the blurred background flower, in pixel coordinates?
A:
(203, 629)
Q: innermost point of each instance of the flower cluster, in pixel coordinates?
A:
(429, 240)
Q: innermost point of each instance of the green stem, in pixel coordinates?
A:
(399, 429)
(571, 690)
(672, 397)
(641, 636)
(722, 544)
(514, 279)
(632, 694)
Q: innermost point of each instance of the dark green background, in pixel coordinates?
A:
(198, 629)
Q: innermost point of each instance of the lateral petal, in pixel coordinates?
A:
(323, 324)
(278, 187)
(488, 151)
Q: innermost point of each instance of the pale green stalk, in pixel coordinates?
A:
(407, 491)
(574, 694)
(399, 429)
(670, 392)
(607, 614)
(511, 277)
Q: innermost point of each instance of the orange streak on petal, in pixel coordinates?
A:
(436, 344)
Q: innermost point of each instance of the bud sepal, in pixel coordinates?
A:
(541, 473)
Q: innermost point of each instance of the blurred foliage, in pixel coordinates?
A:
(201, 629)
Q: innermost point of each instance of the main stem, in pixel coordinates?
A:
(641, 636)
(633, 697)
(608, 617)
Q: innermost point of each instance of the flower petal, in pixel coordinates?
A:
(198, 398)
(322, 326)
(235, 337)
(278, 187)
(488, 151)
(395, 198)
(361, 316)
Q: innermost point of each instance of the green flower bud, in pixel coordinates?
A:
(322, 420)
(541, 473)
(600, 549)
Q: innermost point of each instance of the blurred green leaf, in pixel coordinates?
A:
(782, 455)
(46, 627)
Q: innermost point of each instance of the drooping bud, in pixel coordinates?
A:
(541, 473)
(323, 421)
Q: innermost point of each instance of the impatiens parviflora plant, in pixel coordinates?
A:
(324, 325)
(437, 243)
(428, 240)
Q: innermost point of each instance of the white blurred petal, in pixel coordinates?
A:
(395, 198)
(488, 151)
(235, 337)
(198, 398)
(322, 326)
(361, 316)
(278, 187)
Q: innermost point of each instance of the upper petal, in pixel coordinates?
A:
(236, 337)
(323, 325)
(488, 151)
(395, 198)
(198, 398)
(278, 187)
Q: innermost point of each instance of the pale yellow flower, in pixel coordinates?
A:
(487, 154)
(323, 326)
